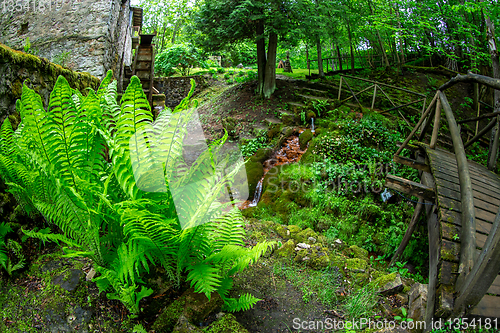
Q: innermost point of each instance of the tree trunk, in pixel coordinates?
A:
(340, 57)
(381, 43)
(320, 59)
(270, 73)
(349, 35)
(261, 56)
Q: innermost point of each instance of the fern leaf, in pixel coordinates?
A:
(204, 278)
(245, 302)
(104, 84)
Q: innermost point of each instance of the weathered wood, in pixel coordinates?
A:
(411, 163)
(409, 187)
(455, 218)
(356, 94)
(352, 92)
(434, 258)
(481, 133)
(486, 80)
(437, 120)
(489, 306)
(483, 273)
(493, 153)
(340, 85)
(484, 116)
(426, 125)
(374, 96)
(415, 129)
(408, 233)
(386, 85)
(467, 201)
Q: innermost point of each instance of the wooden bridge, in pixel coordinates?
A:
(462, 202)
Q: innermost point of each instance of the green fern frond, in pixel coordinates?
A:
(227, 229)
(245, 302)
(56, 238)
(204, 278)
(104, 84)
(184, 104)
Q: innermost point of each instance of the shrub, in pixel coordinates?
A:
(56, 164)
(179, 56)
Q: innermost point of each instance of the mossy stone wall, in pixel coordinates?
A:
(16, 67)
(176, 88)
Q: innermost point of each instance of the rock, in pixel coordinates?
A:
(388, 284)
(240, 65)
(90, 275)
(304, 138)
(286, 250)
(56, 319)
(227, 324)
(69, 280)
(356, 252)
(254, 171)
(194, 306)
(317, 257)
(312, 240)
(304, 235)
(184, 326)
(416, 291)
(302, 246)
(338, 241)
(356, 265)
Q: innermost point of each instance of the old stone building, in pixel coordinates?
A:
(87, 35)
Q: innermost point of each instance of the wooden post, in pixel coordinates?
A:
(374, 96)
(437, 120)
(480, 134)
(352, 92)
(468, 233)
(340, 87)
(483, 273)
(417, 126)
(492, 161)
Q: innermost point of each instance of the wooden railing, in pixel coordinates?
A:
(475, 275)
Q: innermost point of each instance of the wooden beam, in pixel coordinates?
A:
(437, 120)
(468, 236)
(480, 134)
(409, 187)
(411, 163)
(483, 273)
(484, 116)
(486, 80)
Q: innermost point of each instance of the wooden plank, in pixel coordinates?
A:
(495, 286)
(453, 217)
(456, 206)
(411, 163)
(450, 232)
(490, 197)
(442, 178)
(488, 306)
(487, 206)
(434, 257)
(409, 187)
(448, 272)
(450, 251)
(476, 175)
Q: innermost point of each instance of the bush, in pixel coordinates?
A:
(180, 56)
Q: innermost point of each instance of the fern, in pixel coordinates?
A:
(88, 164)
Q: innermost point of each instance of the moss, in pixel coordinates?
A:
(261, 155)
(168, 318)
(255, 171)
(303, 236)
(356, 264)
(356, 252)
(406, 289)
(294, 229)
(383, 280)
(304, 138)
(286, 250)
(227, 324)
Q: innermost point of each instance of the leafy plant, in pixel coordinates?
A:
(62, 59)
(12, 246)
(87, 165)
(180, 56)
(403, 316)
(320, 106)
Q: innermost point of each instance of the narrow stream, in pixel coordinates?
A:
(289, 152)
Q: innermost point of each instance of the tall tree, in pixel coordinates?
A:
(222, 22)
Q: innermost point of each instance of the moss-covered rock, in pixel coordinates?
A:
(261, 155)
(303, 236)
(355, 251)
(316, 257)
(356, 265)
(286, 250)
(226, 324)
(304, 138)
(254, 171)
(184, 326)
(194, 306)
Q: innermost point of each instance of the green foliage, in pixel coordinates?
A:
(77, 165)
(361, 304)
(9, 247)
(249, 148)
(182, 57)
(62, 59)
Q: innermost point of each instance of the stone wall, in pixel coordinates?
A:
(92, 31)
(16, 67)
(176, 88)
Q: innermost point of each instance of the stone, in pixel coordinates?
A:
(302, 246)
(293, 230)
(389, 284)
(226, 324)
(240, 65)
(254, 171)
(56, 319)
(316, 257)
(286, 250)
(312, 240)
(304, 235)
(90, 275)
(194, 306)
(69, 280)
(304, 138)
(416, 291)
(356, 265)
(356, 252)
(184, 326)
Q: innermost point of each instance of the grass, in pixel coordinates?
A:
(298, 73)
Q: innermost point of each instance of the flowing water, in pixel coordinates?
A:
(289, 152)
(312, 125)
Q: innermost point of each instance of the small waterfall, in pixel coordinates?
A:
(258, 193)
(312, 125)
